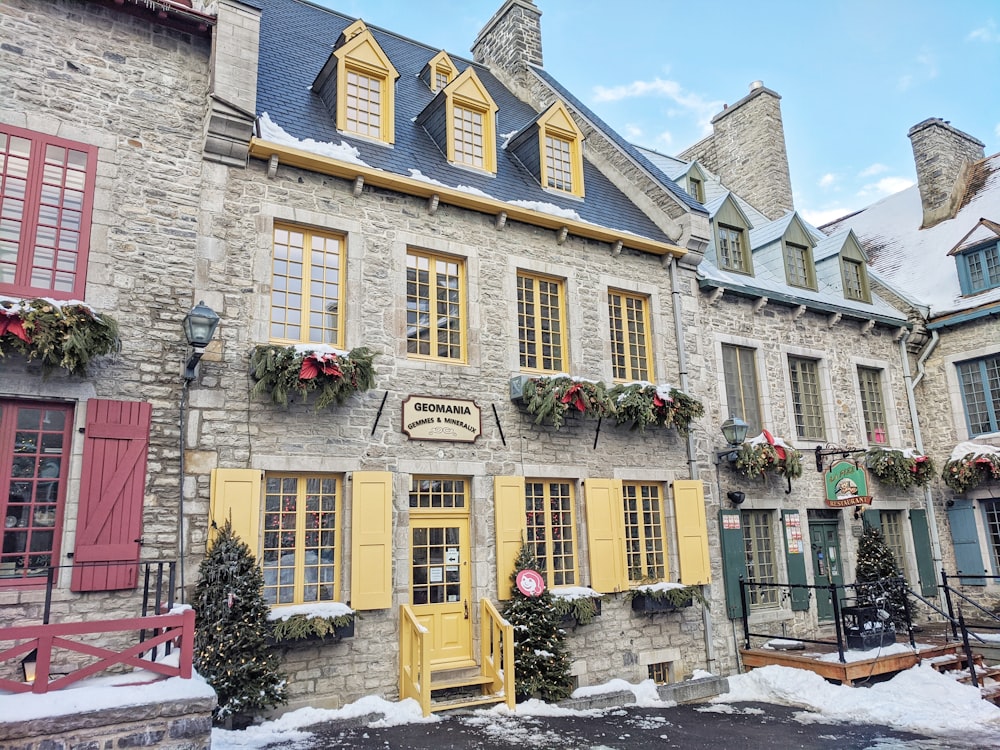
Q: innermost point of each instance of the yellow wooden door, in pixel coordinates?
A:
(440, 586)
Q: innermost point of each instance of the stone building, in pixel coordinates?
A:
(937, 242)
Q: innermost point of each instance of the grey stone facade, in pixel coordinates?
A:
(941, 154)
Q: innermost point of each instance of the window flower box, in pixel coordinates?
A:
(663, 597)
(765, 453)
(899, 468)
(311, 623)
(67, 334)
(640, 405)
(307, 368)
(971, 465)
(551, 397)
(577, 605)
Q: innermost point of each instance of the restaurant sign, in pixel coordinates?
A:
(431, 418)
(847, 485)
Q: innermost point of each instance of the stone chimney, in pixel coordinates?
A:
(510, 41)
(942, 155)
(747, 151)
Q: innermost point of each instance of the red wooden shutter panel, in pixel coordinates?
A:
(109, 525)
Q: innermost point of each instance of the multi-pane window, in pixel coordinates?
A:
(873, 405)
(807, 404)
(364, 104)
(558, 163)
(34, 458)
(630, 349)
(892, 533)
(540, 323)
(306, 286)
(980, 383)
(991, 510)
(739, 365)
(468, 134)
(799, 265)
(46, 197)
(854, 280)
(645, 548)
(430, 493)
(758, 544)
(549, 509)
(441, 78)
(435, 302)
(300, 543)
(696, 189)
(982, 269)
(732, 253)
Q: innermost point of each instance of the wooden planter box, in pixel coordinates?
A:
(569, 619)
(650, 605)
(339, 633)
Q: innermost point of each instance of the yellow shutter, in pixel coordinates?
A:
(235, 496)
(692, 531)
(371, 540)
(512, 528)
(606, 534)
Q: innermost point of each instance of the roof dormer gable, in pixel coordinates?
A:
(731, 229)
(797, 245)
(438, 72)
(847, 268)
(551, 148)
(461, 119)
(977, 256)
(357, 84)
(693, 181)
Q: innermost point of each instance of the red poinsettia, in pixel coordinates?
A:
(575, 396)
(12, 324)
(313, 364)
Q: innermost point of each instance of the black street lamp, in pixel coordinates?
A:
(199, 327)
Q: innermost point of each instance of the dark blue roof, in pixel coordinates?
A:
(296, 40)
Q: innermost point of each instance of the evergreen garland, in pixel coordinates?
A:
(971, 470)
(57, 334)
(541, 663)
(582, 608)
(283, 370)
(877, 577)
(642, 404)
(231, 630)
(753, 460)
(898, 468)
(679, 596)
(298, 627)
(548, 399)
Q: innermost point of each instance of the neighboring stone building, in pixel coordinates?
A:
(937, 242)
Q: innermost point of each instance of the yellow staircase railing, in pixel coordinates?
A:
(496, 644)
(414, 660)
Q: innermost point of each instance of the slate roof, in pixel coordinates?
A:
(296, 40)
(916, 260)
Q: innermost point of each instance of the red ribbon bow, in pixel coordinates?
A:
(314, 364)
(777, 448)
(575, 397)
(15, 326)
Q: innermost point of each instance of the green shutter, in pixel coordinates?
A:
(965, 540)
(873, 520)
(922, 548)
(796, 561)
(734, 560)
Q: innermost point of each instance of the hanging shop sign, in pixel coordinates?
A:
(431, 418)
(847, 485)
(530, 582)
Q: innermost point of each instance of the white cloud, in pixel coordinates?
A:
(904, 82)
(821, 216)
(873, 170)
(702, 108)
(924, 69)
(632, 132)
(885, 186)
(666, 138)
(827, 180)
(987, 33)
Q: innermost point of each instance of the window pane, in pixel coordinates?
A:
(759, 547)
(311, 263)
(539, 316)
(435, 325)
(558, 163)
(980, 383)
(739, 365)
(806, 402)
(872, 406)
(549, 514)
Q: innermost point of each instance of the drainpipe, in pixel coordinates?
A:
(675, 295)
(919, 442)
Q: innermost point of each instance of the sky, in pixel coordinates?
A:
(854, 75)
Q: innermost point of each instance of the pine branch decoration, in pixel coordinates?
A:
(281, 371)
(549, 399)
(899, 469)
(640, 405)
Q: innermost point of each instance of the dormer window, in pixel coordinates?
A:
(797, 247)
(467, 135)
(357, 84)
(438, 72)
(979, 269)
(855, 280)
(696, 188)
(732, 250)
(558, 163)
(462, 121)
(551, 148)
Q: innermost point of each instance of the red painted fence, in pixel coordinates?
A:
(177, 628)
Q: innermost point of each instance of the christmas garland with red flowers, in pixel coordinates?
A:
(334, 376)
(766, 453)
(550, 398)
(970, 466)
(642, 404)
(899, 468)
(58, 334)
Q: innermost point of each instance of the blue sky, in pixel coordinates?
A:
(854, 75)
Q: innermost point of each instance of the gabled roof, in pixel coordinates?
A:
(916, 259)
(984, 232)
(295, 43)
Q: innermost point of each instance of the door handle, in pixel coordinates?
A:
(465, 604)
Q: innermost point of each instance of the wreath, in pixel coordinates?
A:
(550, 398)
(642, 404)
(765, 453)
(899, 468)
(283, 370)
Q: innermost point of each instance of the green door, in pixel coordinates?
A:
(827, 567)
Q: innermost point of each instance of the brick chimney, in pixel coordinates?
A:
(747, 151)
(510, 41)
(942, 155)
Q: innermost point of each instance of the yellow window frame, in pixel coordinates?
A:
(467, 92)
(557, 125)
(537, 329)
(312, 273)
(440, 70)
(361, 54)
(549, 516)
(283, 521)
(646, 548)
(631, 349)
(437, 494)
(455, 308)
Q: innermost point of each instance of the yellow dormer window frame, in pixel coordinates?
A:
(365, 86)
(471, 123)
(441, 71)
(560, 144)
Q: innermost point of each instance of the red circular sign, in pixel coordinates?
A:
(530, 583)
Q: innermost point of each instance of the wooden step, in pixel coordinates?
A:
(991, 693)
(984, 673)
(466, 702)
(453, 683)
(955, 662)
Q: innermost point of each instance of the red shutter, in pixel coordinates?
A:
(109, 525)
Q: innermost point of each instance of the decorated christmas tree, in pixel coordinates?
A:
(877, 577)
(541, 664)
(231, 628)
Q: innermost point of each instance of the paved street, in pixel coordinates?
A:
(743, 726)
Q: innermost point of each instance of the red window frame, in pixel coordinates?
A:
(32, 500)
(45, 210)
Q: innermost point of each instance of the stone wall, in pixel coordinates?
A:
(941, 153)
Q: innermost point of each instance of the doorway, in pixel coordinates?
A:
(824, 539)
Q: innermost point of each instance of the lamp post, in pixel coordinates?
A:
(199, 327)
(734, 430)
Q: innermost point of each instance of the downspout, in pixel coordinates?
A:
(919, 442)
(675, 296)
(180, 497)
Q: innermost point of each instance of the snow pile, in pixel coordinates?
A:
(571, 593)
(327, 610)
(646, 694)
(271, 131)
(548, 208)
(972, 449)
